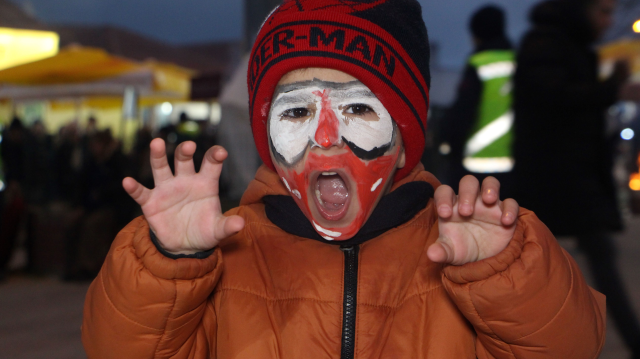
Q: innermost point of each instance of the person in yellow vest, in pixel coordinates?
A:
(479, 125)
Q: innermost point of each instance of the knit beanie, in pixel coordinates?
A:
(382, 43)
(487, 23)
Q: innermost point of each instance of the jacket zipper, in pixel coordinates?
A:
(349, 301)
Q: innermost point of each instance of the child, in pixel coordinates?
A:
(340, 247)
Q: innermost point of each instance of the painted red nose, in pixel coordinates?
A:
(327, 133)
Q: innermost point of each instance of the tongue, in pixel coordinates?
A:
(333, 190)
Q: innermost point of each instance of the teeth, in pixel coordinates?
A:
(329, 173)
(318, 196)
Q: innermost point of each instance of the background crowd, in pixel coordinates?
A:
(63, 201)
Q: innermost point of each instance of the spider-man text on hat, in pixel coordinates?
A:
(383, 43)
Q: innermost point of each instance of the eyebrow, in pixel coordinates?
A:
(293, 99)
(344, 91)
(355, 93)
(315, 82)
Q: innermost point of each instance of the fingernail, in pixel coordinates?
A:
(466, 208)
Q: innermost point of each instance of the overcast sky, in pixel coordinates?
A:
(189, 21)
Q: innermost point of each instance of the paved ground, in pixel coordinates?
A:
(629, 264)
(40, 317)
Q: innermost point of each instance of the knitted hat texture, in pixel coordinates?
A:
(382, 43)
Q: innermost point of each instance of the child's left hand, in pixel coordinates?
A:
(473, 225)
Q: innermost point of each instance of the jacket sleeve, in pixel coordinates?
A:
(145, 305)
(530, 301)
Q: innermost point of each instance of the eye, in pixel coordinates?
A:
(358, 109)
(296, 113)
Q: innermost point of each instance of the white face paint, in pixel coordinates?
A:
(299, 110)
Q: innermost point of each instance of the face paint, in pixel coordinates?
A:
(324, 114)
(327, 133)
(338, 213)
(335, 149)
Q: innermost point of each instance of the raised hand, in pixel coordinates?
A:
(184, 210)
(473, 225)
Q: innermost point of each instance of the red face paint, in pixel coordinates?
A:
(335, 189)
(365, 181)
(328, 124)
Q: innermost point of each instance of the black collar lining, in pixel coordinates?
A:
(393, 210)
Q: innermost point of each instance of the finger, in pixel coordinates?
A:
(444, 198)
(159, 165)
(212, 162)
(440, 252)
(510, 210)
(467, 195)
(228, 226)
(490, 190)
(184, 158)
(138, 192)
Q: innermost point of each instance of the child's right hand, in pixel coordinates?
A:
(184, 210)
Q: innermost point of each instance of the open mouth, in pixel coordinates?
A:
(331, 195)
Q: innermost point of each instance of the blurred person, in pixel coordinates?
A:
(13, 208)
(206, 139)
(92, 126)
(38, 186)
(13, 151)
(12, 213)
(70, 156)
(38, 164)
(563, 159)
(478, 126)
(169, 134)
(187, 128)
(343, 245)
(104, 203)
(140, 157)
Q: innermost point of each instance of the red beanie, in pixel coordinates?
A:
(382, 43)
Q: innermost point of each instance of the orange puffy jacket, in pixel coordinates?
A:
(269, 294)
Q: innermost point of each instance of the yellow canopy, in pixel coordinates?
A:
(80, 71)
(70, 65)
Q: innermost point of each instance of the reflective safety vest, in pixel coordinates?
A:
(488, 148)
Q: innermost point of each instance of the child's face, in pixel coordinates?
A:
(335, 147)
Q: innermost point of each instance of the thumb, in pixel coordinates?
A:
(228, 226)
(441, 252)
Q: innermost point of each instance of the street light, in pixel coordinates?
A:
(636, 26)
